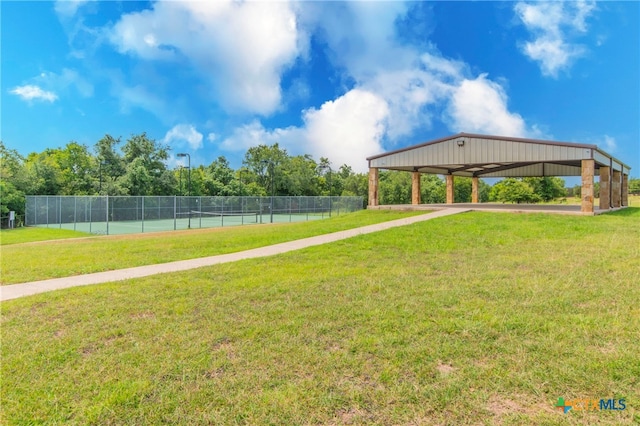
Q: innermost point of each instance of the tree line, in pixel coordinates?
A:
(138, 166)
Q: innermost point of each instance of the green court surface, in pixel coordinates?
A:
(195, 222)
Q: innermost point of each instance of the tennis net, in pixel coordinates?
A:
(222, 217)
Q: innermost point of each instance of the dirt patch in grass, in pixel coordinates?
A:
(445, 369)
(502, 407)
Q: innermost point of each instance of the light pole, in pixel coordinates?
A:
(273, 171)
(182, 155)
(327, 166)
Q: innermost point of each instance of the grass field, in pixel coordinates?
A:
(30, 262)
(478, 318)
(32, 234)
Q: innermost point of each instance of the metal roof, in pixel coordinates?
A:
(466, 154)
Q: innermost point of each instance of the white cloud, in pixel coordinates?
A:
(254, 134)
(68, 8)
(396, 91)
(139, 97)
(211, 137)
(184, 133)
(67, 79)
(418, 85)
(31, 92)
(609, 144)
(480, 106)
(346, 130)
(552, 25)
(241, 49)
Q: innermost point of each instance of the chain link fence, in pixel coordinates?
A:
(126, 214)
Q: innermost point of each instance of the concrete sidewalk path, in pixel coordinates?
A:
(14, 291)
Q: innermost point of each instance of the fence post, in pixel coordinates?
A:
(107, 211)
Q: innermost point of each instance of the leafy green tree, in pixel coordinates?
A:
(300, 176)
(247, 183)
(634, 186)
(462, 190)
(146, 172)
(13, 182)
(356, 185)
(43, 175)
(547, 188)
(394, 187)
(220, 170)
(11, 199)
(11, 165)
(262, 160)
(432, 189)
(109, 166)
(77, 169)
(137, 180)
(511, 190)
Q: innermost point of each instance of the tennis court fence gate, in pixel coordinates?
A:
(95, 213)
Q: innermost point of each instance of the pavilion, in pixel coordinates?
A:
(476, 156)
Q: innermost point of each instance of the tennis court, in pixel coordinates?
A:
(128, 215)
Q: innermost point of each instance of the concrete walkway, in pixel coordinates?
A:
(14, 291)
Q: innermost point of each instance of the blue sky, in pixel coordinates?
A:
(331, 79)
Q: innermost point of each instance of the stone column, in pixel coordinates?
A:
(588, 168)
(475, 183)
(625, 190)
(605, 188)
(415, 188)
(450, 187)
(373, 186)
(616, 184)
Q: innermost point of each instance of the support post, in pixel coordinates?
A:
(450, 189)
(625, 190)
(475, 183)
(373, 186)
(588, 169)
(415, 188)
(616, 185)
(605, 188)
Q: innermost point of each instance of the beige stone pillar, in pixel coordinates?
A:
(605, 188)
(415, 188)
(373, 186)
(625, 190)
(450, 189)
(588, 169)
(616, 185)
(475, 182)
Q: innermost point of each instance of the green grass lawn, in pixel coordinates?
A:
(478, 318)
(61, 258)
(32, 234)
